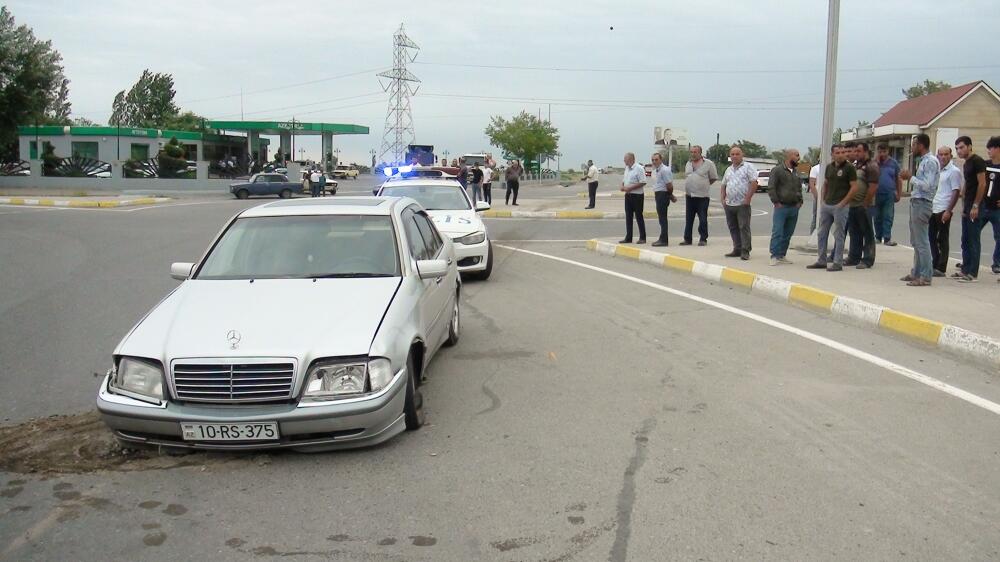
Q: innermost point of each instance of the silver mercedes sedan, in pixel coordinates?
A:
(308, 325)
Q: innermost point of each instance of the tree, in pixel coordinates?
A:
(812, 156)
(525, 136)
(778, 155)
(149, 103)
(928, 87)
(752, 149)
(82, 122)
(186, 121)
(171, 159)
(718, 153)
(33, 88)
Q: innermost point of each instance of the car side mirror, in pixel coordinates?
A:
(432, 269)
(181, 270)
(482, 206)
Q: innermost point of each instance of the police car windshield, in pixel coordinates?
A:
(431, 197)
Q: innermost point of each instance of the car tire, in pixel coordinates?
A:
(413, 406)
(242, 194)
(455, 324)
(285, 193)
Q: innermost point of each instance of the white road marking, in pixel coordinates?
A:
(580, 240)
(843, 348)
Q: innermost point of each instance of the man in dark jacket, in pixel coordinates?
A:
(785, 190)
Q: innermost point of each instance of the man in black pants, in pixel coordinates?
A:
(632, 182)
(663, 190)
(591, 179)
(861, 252)
(700, 174)
(513, 177)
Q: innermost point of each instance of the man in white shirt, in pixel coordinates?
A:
(949, 187)
(487, 183)
(813, 186)
(663, 190)
(739, 183)
(314, 183)
(699, 174)
(591, 179)
(633, 180)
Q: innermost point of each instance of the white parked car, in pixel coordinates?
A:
(455, 215)
(308, 325)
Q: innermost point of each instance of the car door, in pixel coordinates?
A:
(443, 287)
(429, 301)
(259, 185)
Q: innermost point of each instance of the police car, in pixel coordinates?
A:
(454, 214)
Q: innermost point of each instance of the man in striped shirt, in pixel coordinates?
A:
(739, 183)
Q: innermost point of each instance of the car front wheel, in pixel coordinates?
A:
(242, 194)
(413, 407)
(455, 326)
(285, 193)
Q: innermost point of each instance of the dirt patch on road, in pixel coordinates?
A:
(73, 444)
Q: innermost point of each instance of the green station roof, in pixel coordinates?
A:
(278, 127)
(59, 130)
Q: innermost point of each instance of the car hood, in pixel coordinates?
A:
(299, 318)
(456, 223)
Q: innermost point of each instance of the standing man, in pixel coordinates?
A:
(785, 190)
(633, 180)
(862, 250)
(949, 186)
(813, 190)
(314, 183)
(513, 176)
(591, 179)
(739, 183)
(841, 185)
(488, 182)
(923, 186)
(663, 191)
(463, 174)
(974, 170)
(477, 183)
(890, 191)
(700, 174)
(991, 201)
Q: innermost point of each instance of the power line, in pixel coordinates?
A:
(638, 104)
(700, 71)
(299, 105)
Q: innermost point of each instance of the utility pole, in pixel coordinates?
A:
(241, 103)
(399, 119)
(829, 102)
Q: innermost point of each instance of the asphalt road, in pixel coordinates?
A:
(583, 416)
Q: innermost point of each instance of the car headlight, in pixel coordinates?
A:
(474, 238)
(329, 380)
(139, 378)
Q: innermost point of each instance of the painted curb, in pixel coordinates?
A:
(45, 202)
(491, 214)
(982, 349)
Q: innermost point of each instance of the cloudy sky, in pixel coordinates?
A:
(750, 69)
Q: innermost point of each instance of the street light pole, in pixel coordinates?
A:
(829, 102)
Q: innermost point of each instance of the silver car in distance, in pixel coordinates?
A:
(308, 325)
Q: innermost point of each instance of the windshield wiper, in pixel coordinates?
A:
(347, 275)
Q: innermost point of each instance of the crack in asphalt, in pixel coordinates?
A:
(626, 497)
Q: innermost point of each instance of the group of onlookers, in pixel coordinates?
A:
(478, 180)
(858, 201)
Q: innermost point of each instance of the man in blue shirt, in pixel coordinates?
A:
(890, 191)
(923, 187)
(663, 191)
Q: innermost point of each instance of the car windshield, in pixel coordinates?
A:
(303, 247)
(431, 197)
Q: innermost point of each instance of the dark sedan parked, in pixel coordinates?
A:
(264, 184)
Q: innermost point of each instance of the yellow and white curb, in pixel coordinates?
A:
(81, 204)
(953, 339)
(560, 215)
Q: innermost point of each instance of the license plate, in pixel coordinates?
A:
(259, 431)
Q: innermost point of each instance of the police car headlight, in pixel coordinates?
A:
(470, 239)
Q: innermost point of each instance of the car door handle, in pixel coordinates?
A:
(439, 280)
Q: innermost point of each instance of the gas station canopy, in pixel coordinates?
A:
(288, 127)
